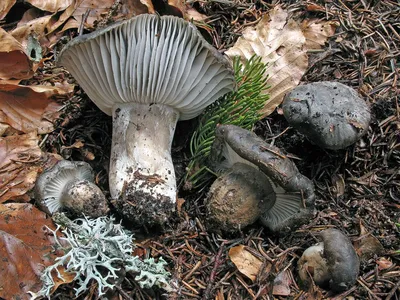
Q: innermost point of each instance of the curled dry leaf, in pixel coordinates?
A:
(26, 248)
(51, 5)
(247, 264)
(19, 165)
(280, 43)
(317, 32)
(84, 11)
(26, 109)
(5, 6)
(14, 63)
(188, 12)
(367, 245)
(282, 284)
(36, 31)
(132, 8)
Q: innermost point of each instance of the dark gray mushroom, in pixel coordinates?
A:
(69, 186)
(332, 264)
(147, 72)
(284, 197)
(329, 114)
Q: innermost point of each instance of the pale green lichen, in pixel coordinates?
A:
(95, 250)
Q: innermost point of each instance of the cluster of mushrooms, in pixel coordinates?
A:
(149, 72)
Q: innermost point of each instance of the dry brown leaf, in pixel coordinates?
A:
(20, 158)
(66, 278)
(29, 15)
(247, 264)
(14, 63)
(383, 263)
(367, 245)
(51, 5)
(280, 43)
(131, 8)
(317, 32)
(95, 9)
(282, 284)
(5, 6)
(28, 108)
(25, 249)
(188, 12)
(37, 29)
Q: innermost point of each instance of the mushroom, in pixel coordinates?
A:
(282, 197)
(333, 263)
(236, 199)
(69, 186)
(329, 114)
(147, 72)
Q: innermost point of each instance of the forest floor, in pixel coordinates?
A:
(357, 189)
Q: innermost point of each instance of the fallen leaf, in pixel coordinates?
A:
(282, 284)
(94, 8)
(5, 6)
(247, 264)
(29, 108)
(314, 7)
(179, 203)
(19, 165)
(367, 246)
(317, 32)
(14, 63)
(66, 277)
(188, 12)
(383, 263)
(25, 249)
(131, 8)
(280, 43)
(35, 35)
(51, 5)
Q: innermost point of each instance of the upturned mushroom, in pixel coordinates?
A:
(147, 72)
(281, 197)
(69, 186)
(330, 114)
(332, 264)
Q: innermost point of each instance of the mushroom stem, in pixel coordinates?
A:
(142, 176)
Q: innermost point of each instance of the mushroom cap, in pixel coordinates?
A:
(70, 185)
(236, 199)
(329, 114)
(149, 59)
(294, 193)
(342, 260)
(312, 263)
(84, 197)
(333, 263)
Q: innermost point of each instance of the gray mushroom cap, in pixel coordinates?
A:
(69, 186)
(329, 114)
(333, 263)
(149, 59)
(292, 202)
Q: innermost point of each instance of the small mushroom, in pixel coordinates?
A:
(329, 114)
(332, 264)
(270, 183)
(69, 186)
(147, 72)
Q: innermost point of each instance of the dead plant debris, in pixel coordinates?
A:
(358, 189)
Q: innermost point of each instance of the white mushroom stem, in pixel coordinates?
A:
(141, 153)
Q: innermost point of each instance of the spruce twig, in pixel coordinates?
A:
(241, 108)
